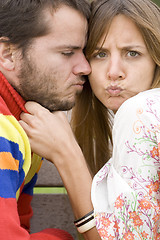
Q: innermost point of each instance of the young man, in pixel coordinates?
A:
(41, 59)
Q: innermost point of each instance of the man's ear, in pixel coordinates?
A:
(6, 55)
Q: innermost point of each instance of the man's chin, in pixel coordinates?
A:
(62, 107)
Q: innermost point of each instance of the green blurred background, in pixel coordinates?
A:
(157, 2)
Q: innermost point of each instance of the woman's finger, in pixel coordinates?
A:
(34, 108)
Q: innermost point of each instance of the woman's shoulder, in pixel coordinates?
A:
(143, 100)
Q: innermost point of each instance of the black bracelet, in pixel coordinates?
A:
(80, 219)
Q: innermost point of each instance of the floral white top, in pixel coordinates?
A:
(126, 191)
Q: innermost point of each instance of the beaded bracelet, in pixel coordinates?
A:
(85, 223)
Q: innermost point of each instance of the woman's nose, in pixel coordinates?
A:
(116, 69)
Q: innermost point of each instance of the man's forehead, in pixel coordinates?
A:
(67, 25)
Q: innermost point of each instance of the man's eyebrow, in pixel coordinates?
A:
(69, 47)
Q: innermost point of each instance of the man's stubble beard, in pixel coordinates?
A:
(32, 87)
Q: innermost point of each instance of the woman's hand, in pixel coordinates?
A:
(50, 134)
(51, 137)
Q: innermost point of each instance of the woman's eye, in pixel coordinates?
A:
(100, 55)
(133, 54)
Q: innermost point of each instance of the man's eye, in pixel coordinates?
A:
(133, 54)
(68, 54)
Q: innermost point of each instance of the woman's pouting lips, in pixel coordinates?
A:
(114, 90)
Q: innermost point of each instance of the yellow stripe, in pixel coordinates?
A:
(12, 130)
(35, 166)
(17, 194)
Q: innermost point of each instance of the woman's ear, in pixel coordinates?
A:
(6, 55)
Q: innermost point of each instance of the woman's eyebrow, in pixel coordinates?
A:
(122, 47)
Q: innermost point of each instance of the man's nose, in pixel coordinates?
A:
(82, 67)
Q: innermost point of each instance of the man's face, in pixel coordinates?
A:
(51, 71)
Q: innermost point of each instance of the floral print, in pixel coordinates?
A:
(126, 191)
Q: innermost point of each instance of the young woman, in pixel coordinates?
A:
(124, 52)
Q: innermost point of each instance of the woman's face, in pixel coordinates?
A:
(123, 66)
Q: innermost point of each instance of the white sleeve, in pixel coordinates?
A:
(126, 195)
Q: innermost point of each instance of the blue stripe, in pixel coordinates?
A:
(21, 178)
(8, 183)
(28, 188)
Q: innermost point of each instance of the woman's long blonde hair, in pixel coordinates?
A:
(91, 120)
